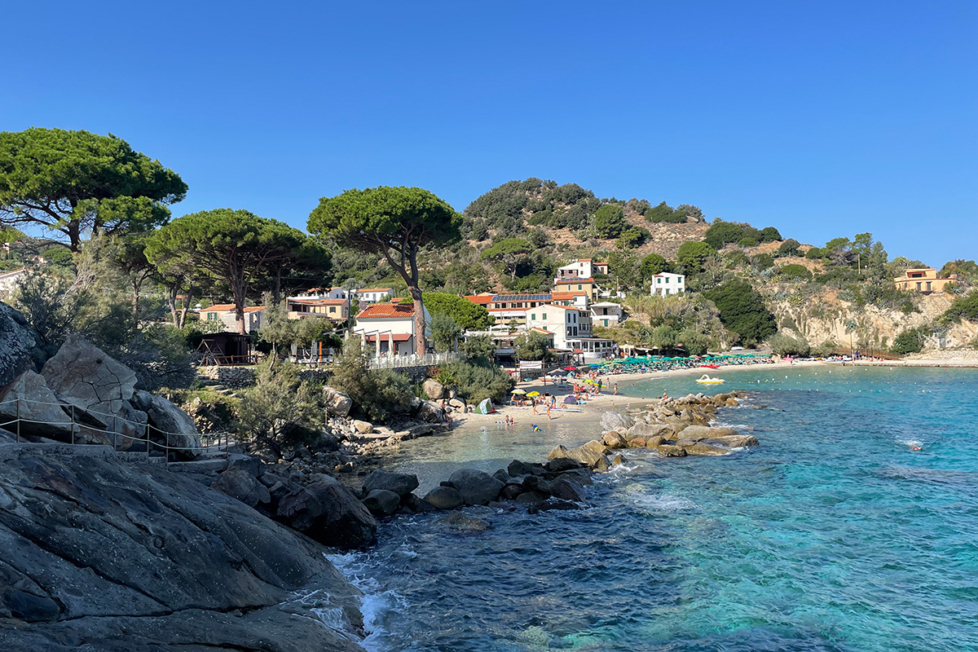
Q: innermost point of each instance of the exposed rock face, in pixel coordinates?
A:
(17, 341)
(434, 389)
(382, 502)
(431, 412)
(328, 513)
(615, 420)
(178, 429)
(400, 483)
(100, 555)
(338, 404)
(239, 483)
(82, 375)
(460, 521)
(476, 487)
(39, 409)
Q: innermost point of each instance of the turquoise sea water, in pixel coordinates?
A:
(832, 535)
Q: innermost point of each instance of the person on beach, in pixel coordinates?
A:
(533, 406)
(616, 389)
(548, 413)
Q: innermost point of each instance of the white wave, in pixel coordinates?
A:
(910, 442)
(663, 503)
(374, 603)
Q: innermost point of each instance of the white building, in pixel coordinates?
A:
(667, 283)
(582, 268)
(606, 313)
(254, 317)
(9, 281)
(389, 328)
(323, 293)
(367, 296)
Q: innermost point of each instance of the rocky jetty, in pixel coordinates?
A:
(99, 554)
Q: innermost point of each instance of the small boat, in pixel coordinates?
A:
(706, 380)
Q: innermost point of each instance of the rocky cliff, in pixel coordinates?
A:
(96, 554)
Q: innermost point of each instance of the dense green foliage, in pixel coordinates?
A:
(789, 247)
(909, 341)
(377, 394)
(965, 307)
(693, 255)
(633, 237)
(609, 221)
(742, 310)
(510, 252)
(466, 314)
(532, 346)
(654, 264)
(477, 380)
(722, 233)
(665, 213)
(478, 347)
(445, 331)
(76, 183)
(795, 272)
(280, 412)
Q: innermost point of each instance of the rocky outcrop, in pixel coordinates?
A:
(17, 344)
(327, 512)
(84, 376)
(476, 487)
(171, 426)
(615, 420)
(30, 399)
(444, 497)
(400, 483)
(433, 389)
(96, 554)
(338, 404)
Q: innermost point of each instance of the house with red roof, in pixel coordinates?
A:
(389, 327)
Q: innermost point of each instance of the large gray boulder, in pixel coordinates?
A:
(97, 554)
(382, 502)
(431, 412)
(646, 430)
(476, 487)
(327, 512)
(615, 420)
(338, 404)
(38, 408)
(242, 485)
(705, 432)
(173, 427)
(567, 489)
(400, 483)
(444, 498)
(17, 341)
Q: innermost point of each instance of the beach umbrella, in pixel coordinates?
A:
(570, 368)
(533, 394)
(519, 391)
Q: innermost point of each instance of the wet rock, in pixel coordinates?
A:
(510, 492)
(327, 512)
(531, 497)
(705, 449)
(517, 468)
(553, 504)
(669, 450)
(580, 476)
(381, 502)
(557, 452)
(559, 464)
(444, 498)
(614, 440)
(655, 442)
(476, 487)
(602, 465)
(416, 504)
(615, 420)
(567, 489)
(536, 483)
(460, 521)
(431, 412)
(618, 460)
(703, 432)
(736, 441)
(400, 483)
(502, 476)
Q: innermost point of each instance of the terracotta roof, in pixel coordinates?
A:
(386, 311)
(480, 299)
(558, 307)
(508, 309)
(605, 264)
(398, 337)
(229, 307)
(560, 296)
(374, 290)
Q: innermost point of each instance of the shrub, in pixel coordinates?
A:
(763, 261)
(609, 221)
(693, 255)
(720, 233)
(823, 350)
(789, 247)
(476, 381)
(280, 412)
(770, 234)
(796, 272)
(654, 264)
(909, 341)
(747, 242)
(376, 394)
(965, 307)
(814, 253)
(783, 345)
(742, 310)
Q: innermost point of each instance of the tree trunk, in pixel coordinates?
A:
(277, 288)
(171, 302)
(135, 303)
(420, 345)
(239, 306)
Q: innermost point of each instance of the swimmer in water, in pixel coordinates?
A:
(915, 448)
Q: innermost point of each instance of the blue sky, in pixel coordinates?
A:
(820, 118)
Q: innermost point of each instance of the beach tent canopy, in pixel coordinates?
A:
(519, 391)
(533, 394)
(570, 368)
(570, 400)
(486, 407)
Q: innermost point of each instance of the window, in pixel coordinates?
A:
(332, 308)
(928, 286)
(580, 287)
(533, 316)
(918, 286)
(543, 317)
(667, 279)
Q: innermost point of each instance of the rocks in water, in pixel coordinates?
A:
(382, 502)
(531, 497)
(646, 430)
(618, 460)
(338, 404)
(475, 487)
(567, 489)
(97, 554)
(32, 400)
(705, 432)
(400, 483)
(327, 512)
(553, 504)
(614, 439)
(444, 498)
(615, 420)
(601, 465)
(559, 464)
(17, 344)
(736, 441)
(502, 476)
(460, 521)
(669, 450)
(701, 448)
(433, 389)
(416, 504)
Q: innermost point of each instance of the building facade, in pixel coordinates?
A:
(606, 313)
(254, 317)
(923, 279)
(389, 328)
(667, 283)
(333, 309)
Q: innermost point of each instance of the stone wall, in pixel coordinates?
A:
(232, 377)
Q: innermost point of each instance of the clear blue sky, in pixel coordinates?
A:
(820, 118)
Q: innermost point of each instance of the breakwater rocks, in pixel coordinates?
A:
(674, 428)
(98, 554)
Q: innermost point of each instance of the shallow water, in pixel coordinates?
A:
(832, 535)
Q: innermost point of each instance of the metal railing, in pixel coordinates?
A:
(413, 360)
(74, 426)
